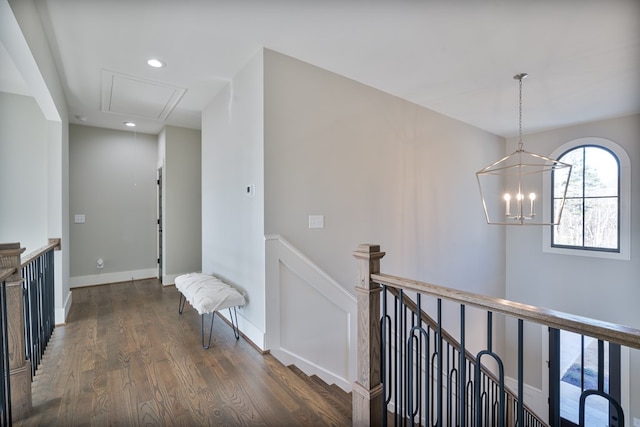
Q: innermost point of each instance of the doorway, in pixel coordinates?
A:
(160, 223)
(579, 363)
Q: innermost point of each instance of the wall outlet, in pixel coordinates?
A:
(316, 221)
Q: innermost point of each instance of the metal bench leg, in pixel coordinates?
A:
(213, 314)
(234, 325)
(183, 299)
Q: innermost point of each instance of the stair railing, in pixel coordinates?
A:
(39, 301)
(410, 371)
(28, 315)
(454, 370)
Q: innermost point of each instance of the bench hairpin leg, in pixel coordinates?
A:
(234, 325)
(183, 299)
(213, 314)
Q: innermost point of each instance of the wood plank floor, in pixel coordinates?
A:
(127, 358)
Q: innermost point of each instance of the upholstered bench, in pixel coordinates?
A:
(208, 294)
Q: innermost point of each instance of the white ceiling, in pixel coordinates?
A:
(454, 57)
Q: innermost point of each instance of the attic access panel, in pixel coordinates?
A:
(137, 96)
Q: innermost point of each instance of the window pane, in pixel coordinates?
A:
(569, 231)
(601, 223)
(574, 158)
(601, 173)
(560, 177)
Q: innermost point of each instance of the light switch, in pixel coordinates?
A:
(79, 219)
(251, 190)
(316, 221)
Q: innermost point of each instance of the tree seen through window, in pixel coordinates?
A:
(590, 218)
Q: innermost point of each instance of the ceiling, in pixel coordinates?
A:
(457, 58)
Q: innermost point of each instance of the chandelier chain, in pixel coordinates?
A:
(520, 144)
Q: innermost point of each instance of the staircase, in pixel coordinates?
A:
(330, 396)
(427, 377)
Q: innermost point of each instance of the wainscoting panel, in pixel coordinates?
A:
(303, 302)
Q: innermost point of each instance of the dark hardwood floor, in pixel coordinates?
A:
(127, 358)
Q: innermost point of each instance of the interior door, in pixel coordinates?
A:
(579, 363)
(160, 223)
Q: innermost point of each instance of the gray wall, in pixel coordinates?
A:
(599, 288)
(379, 169)
(113, 182)
(182, 200)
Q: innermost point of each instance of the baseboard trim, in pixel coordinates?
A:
(62, 313)
(169, 279)
(287, 358)
(103, 279)
(251, 334)
(534, 398)
(244, 336)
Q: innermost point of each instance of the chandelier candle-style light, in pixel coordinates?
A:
(511, 187)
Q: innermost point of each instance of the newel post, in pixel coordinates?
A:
(367, 407)
(19, 366)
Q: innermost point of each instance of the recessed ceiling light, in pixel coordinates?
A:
(156, 63)
(130, 124)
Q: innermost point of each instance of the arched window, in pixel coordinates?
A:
(591, 215)
(595, 215)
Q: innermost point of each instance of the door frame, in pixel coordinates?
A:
(160, 224)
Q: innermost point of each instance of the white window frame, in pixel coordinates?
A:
(624, 195)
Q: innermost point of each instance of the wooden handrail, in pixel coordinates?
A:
(605, 331)
(29, 258)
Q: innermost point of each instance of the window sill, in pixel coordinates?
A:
(623, 255)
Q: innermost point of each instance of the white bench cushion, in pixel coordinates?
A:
(208, 293)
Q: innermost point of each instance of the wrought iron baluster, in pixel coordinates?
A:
(600, 366)
(470, 393)
(463, 371)
(401, 357)
(439, 347)
(434, 372)
(452, 385)
(384, 349)
(612, 402)
(479, 375)
(519, 418)
(397, 368)
(410, 370)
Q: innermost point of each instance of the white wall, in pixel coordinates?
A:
(23, 170)
(182, 199)
(233, 244)
(29, 49)
(113, 183)
(599, 288)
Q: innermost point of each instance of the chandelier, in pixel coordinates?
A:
(511, 187)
